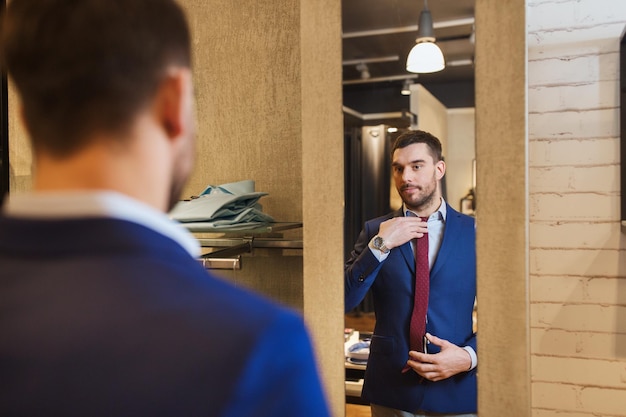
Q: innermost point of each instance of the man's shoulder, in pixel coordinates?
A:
(463, 219)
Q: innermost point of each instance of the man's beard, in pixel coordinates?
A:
(183, 164)
(176, 190)
(423, 202)
(181, 172)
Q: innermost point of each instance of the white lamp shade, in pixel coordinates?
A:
(425, 57)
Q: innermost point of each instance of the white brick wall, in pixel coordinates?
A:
(577, 247)
(589, 151)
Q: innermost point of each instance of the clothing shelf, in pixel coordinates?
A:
(228, 244)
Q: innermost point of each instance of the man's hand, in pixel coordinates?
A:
(399, 230)
(450, 361)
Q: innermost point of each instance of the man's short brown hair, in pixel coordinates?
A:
(419, 136)
(89, 66)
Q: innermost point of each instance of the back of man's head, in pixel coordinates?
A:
(83, 67)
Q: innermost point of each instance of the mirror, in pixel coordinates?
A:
(376, 39)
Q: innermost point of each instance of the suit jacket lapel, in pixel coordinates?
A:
(450, 235)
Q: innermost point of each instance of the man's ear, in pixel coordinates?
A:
(173, 102)
(440, 169)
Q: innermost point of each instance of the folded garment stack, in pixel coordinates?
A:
(227, 206)
(358, 352)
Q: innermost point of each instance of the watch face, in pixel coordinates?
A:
(379, 244)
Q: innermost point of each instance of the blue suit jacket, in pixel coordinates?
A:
(102, 317)
(451, 301)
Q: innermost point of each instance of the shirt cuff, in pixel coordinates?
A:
(472, 354)
(377, 254)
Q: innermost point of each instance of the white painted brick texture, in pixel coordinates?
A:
(575, 206)
(577, 247)
(577, 236)
(550, 15)
(600, 95)
(575, 344)
(576, 290)
(573, 69)
(576, 371)
(595, 123)
(578, 317)
(577, 401)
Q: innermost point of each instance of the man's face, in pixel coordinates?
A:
(416, 175)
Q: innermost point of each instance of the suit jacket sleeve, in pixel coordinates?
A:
(362, 267)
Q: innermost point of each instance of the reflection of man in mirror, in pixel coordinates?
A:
(420, 264)
(104, 307)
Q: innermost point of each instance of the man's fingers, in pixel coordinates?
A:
(435, 340)
(419, 356)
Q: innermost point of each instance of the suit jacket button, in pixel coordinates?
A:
(361, 278)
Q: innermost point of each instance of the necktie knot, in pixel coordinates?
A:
(424, 219)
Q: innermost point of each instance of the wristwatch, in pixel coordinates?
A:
(379, 243)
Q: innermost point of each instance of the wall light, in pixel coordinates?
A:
(364, 70)
(406, 88)
(425, 56)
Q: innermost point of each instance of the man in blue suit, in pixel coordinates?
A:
(442, 380)
(104, 307)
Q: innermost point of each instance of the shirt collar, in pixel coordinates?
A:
(84, 204)
(440, 214)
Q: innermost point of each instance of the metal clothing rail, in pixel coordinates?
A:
(237, 242)
(230, 256)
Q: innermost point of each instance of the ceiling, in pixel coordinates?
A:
(380, 34)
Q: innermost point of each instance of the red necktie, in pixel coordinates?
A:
(420, 304)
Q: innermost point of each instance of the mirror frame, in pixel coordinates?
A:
(504, 385)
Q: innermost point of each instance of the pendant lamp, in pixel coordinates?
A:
(425, 56)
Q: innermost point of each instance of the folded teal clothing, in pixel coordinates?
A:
(235, 188)
(249, 218)
(213, 206)
(224, 206)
